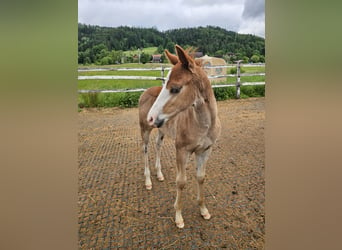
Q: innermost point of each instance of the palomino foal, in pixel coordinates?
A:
(184, 109)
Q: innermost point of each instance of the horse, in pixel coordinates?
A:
(185, 109)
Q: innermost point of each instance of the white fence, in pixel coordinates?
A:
(162, 78)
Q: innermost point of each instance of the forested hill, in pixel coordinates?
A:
(209, 40)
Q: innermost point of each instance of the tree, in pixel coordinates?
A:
(209, 40)
(245, 59)
(219, 53)
(255, 58)
(106, 60)
(170, 46)
(160, 49)
(144, 58)
(116, 56)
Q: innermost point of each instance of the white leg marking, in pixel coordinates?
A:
(159, 142)
(147, 173)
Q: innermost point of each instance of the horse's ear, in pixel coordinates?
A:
(186, 60)
(172, 58)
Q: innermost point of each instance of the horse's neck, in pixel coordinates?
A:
(197, 118)
(201, 114)
(209, 100)
(206, 111)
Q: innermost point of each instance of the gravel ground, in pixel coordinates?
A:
(116, 211)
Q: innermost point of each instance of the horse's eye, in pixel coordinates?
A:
(175, 90)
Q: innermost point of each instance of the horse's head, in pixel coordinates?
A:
(183, 87)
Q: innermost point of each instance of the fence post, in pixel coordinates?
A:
(238, 79)
(162, 74)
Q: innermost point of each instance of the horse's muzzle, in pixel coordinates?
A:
(159, 122)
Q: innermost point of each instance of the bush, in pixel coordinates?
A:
(255, 58)
(224, 93)
(260, 89)
(89, 100)
(252, 91)
(110, 99)
(233, 71)
(106, 60)
(128, 100)
(124, 100)
(247, 91)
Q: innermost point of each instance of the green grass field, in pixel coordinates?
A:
(125, 65)
(155, 73)
(116, 84)
(149, 50)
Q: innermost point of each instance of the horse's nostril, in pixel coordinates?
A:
(150, 120)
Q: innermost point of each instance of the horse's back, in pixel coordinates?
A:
(149, 95)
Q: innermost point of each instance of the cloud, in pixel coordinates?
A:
(253, 18)
(165, 14)
(254, 9)
(210, 2)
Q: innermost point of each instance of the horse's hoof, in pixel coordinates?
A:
(206, 216)
(148, 187)
(180, 224)
(160, 178)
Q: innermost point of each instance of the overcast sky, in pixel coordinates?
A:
(243, 16)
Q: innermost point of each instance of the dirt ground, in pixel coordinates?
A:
(116, 211)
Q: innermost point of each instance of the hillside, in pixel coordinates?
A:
(96, 43)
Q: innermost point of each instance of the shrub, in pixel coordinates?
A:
(106, 60)
(124, 100)
(255, 58)
(247, 91)
(233, 71)
(128, 100)
(253, 91)
(89, 100)
(260, 90)
(224, 93)
(110, 99)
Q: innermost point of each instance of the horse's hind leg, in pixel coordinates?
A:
(159, 142)
(145, 134)
(201, 159)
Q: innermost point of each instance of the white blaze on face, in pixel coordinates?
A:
(157, 107)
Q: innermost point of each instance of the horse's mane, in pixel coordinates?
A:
(191, 51)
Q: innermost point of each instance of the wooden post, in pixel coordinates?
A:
(162, 74)
(238, 85)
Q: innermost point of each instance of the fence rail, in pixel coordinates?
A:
(102, 77)
(143, 89)
(165, 68)
(238, 84)
(120, 78)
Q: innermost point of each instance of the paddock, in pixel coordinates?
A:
(116, 210)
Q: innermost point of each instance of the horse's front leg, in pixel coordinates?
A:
(159, 142)
(145, 134)
(201, 159)
(182, 157)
